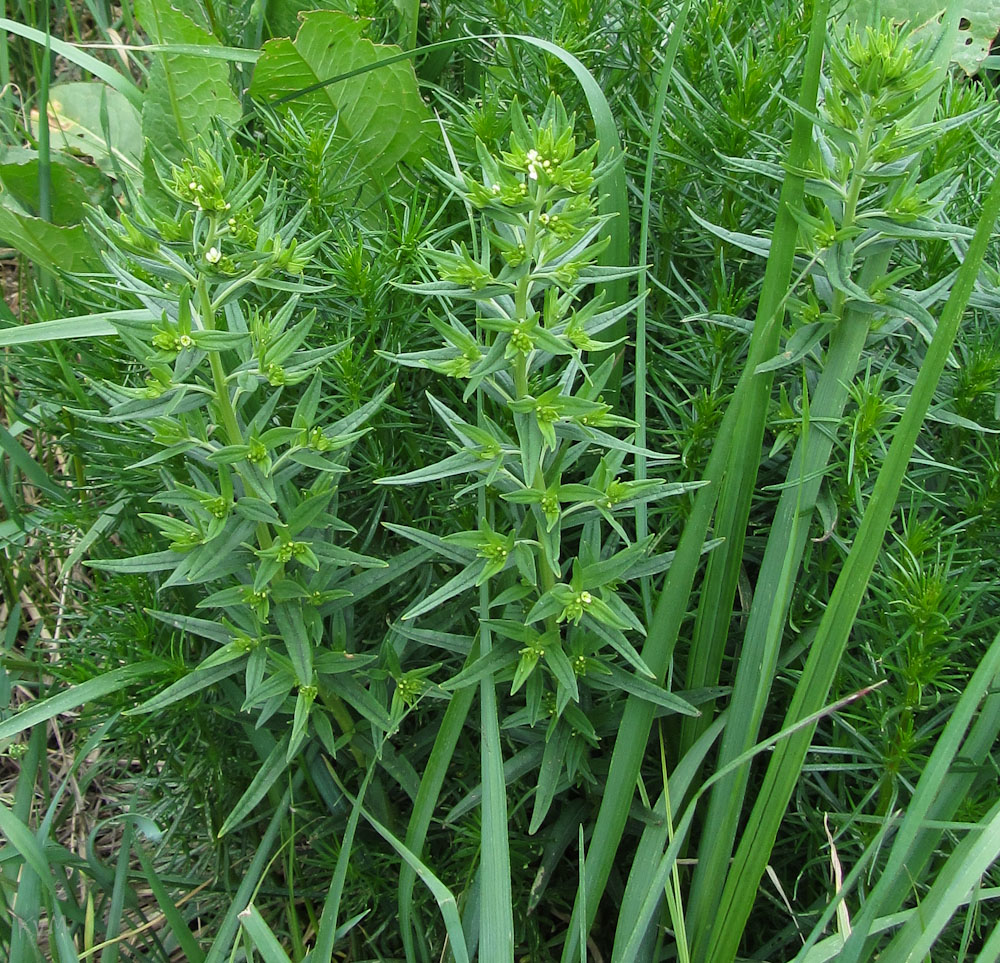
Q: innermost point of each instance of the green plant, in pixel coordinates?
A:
(793, 350)
(250, 443)
(552, 554)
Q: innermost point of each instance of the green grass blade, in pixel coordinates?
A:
(971, 859)
(900, 866)
(637, 717)
(642, 278)
(99, 527)
(779, 569)
(666, 622)
(435, 771)
(658, 880)
(409, 16)
(262, 936)
(27, 465)
(496, 920)
(951, 795)
(326, 937)
(178, 926)
(835, 626)
(65, 948)
(72, 698)
(72, 53)
(442, 895)
(44, 152)
(714, 616)
(271, 768)
(761, 644)
(65, 329)
(112, 951)
(229, 927)
(6, 92)
(990, 952)
(655, 838)
(27, 844)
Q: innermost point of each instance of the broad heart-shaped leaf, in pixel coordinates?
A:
(185, 92)
(380, 112)
(75, 124)
(48, 245)
(282, 16)
(979, 23)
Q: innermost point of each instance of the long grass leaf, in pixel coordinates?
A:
(263, 936)
(658, 649)
(655, 838)
(496, 920)
(73, 54)
(326, 936)
(44, 145)
(116, 907)
(435, 770)
(946, 751)
(667, 862)
(990, 952)
(72, 698)
(662, 85)
(65, 948)
(972, 857)
(178, 926)
(227, 930)
(24, 841)
(835, 626)
(721, 575)
(779, 570)
(637, 717)
(442, 895)
(271, 768)
(63, 329)
(27, 465)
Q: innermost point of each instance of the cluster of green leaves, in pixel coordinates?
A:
(298, 540)
(251, 501)
(544, 450)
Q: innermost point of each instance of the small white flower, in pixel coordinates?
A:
(532, 155)
(533, 172)
(193, 186)
(213, 255)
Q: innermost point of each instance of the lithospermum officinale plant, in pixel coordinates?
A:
(251, 447)
(553, 553)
